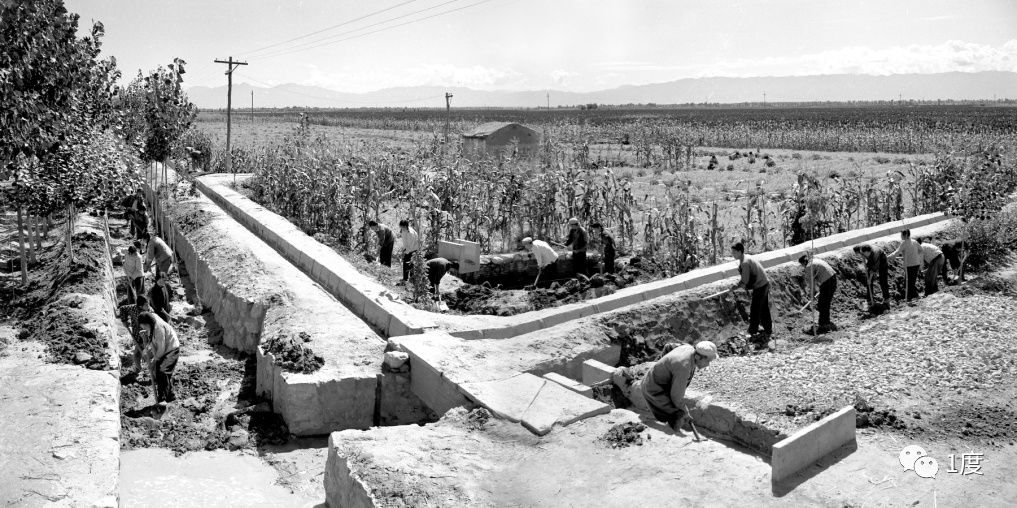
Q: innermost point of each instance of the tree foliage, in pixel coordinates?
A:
(157, 110)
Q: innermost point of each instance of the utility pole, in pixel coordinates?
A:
(229, 107)
(448, 114)
(549, 101)
(252, 106)
(764, 99)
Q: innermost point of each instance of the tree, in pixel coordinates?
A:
(59, 129)
(158, 110)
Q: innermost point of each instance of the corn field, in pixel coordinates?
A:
(333, 187)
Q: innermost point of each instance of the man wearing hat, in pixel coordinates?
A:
(664, 384)
(543, 253)
(577, 240)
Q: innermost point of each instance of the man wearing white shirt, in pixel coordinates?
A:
(543, 253)
(935, 264)
(411, 242)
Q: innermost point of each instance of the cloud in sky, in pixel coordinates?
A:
(949, 56)
(363, 80)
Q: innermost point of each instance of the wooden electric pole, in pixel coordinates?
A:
(448, 114)
(549, 101)
(252, 106)
(229, 107)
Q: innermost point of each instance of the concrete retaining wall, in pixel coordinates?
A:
(257, 294)
(364, 296)
(358, 292)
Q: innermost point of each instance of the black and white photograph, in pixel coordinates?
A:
(508, 253)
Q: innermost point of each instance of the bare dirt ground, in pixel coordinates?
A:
(462, 461)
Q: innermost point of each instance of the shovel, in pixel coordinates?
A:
(692, 423)
(738, 303)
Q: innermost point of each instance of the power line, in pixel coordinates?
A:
(310, 44)
(344, 23)
(286, 52)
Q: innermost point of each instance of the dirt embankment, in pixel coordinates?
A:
(485, 299)
(643, 332)
(941, 369)
(52, 305)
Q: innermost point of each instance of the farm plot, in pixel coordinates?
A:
(672, 205)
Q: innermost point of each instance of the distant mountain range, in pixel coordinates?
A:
(834, 87)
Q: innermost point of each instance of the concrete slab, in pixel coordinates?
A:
(507, 398)
(812, 443)
(595, 372)
(556, 405)
(569, 383)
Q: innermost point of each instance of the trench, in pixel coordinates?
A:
(205, 447)
(219, 439)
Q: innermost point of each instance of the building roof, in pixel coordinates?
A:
(486, 129)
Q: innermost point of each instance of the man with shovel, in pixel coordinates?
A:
(754, 279)
(664, 384)
(543, 253)
(876, 270)
(819, 274)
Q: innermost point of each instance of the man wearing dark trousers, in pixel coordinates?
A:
(411, 242)
(386, 242)
(912, 254)
(577, 240)
(819, 274)
(935, 265)
(608, 242)
(753, 278)
(876, 268)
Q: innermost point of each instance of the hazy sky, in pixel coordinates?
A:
(561, 44)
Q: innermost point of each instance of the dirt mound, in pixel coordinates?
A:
(66, 338)
(477, 419)
(494, 300)
(54, 274)
(54, 291)
(868, 416)
(625, 434)
(292, 355)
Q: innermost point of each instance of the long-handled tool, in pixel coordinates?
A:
(738, 303)
(692, 423)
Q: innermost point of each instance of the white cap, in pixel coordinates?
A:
(573, 220)
(527, 240)
(707, 349)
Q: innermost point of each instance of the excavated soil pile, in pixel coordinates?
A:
(868, 416)
(477, 419)
(292, 355)
(53, 290)
(215, 408)
(625, 434)
(494, 300)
